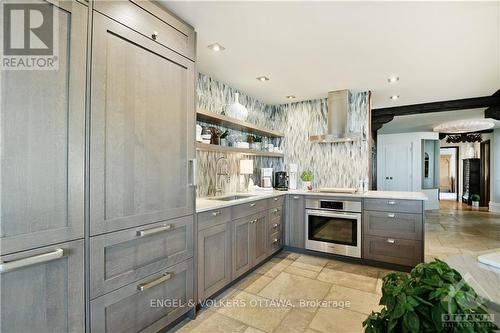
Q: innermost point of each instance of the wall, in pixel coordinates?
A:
(415, 141)
(333, 165)
(495, 172)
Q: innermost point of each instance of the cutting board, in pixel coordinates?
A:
(492, 259)
(337, 190)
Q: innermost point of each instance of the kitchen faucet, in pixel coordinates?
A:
(221, 169)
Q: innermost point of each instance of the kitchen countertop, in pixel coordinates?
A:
(485, 279)
(206, 204)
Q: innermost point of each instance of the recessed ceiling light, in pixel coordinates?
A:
(394, 97)
(262, 78)
(216, 47)
(290, 97)
(464, 126)
(393, 79)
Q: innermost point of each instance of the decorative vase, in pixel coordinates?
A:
(307, 185)
(236, 110)
(475, 204)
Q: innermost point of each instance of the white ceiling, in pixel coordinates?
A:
(427, 121)
(440, 50)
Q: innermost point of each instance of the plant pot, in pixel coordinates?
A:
(475, 204)
(307, 185)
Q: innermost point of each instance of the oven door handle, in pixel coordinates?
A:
(331, 214)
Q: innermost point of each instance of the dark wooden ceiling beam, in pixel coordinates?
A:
(453, 105)
(492, 112)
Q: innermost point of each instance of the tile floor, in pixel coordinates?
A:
(348, 292)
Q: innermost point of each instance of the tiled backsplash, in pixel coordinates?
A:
(333, 165)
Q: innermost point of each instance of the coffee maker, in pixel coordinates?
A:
(266, 177)
(280, 181)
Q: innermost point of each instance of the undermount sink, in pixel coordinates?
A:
(232, 197)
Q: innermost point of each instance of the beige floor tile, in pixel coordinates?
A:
(328, 320)
(302, 272)
(273, 267)
(255, 311)
(258, 284)
(350, 280)
(353, 268)
(296, 321)
(218, 323)
(357, 300)
(295, 288)
(252, 330)
(247, 281)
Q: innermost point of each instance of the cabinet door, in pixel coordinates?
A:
(42, 290)
(241, 246)
(142, 135)
(296, 221)
(260, 238)
(42, 146)
(214, 259)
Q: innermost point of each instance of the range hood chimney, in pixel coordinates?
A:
(338, 130)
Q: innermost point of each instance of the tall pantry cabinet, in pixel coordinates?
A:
(134, 243)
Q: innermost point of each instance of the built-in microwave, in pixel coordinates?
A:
(334, 226)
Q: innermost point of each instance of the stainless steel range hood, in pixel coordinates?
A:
(337, 115)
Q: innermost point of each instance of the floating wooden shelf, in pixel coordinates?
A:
(236, 124)
(224, 149)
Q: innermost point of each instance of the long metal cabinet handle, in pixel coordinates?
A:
(165, 277)
(391, 202)
(152, 231)
(296, 197)
(34, 260)
(192, 163)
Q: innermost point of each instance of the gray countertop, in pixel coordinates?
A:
(205, 204)
(485, 279)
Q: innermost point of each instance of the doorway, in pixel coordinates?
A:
(448, 171)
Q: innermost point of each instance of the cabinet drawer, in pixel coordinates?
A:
(122, 257)
(147, 305)
(249, 208)
(46, 295)
(152, 22)
(274, 242)
(390, 224)
(394, 205)
(213, 217)
(276, 201)
(275, 224)
(392, 250)
(276, 212)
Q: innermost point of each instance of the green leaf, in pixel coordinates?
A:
(411, 322)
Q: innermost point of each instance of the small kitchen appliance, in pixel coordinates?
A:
(334, 226)
(266, 177)
(292, 176)
(280, 181)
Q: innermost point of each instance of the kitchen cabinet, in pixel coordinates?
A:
(141, 128)
(296, 223)
(42, 289)
(43, 143)
(214, 259)
(260, 231)
(242, 245)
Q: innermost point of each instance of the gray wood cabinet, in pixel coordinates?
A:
(296, 224)
(43, 143)
(147, 305)
(142, 130)
(214, 259)
(260, 236)
(241, 246)
(42, 290)
(122, 257)
(391, 224)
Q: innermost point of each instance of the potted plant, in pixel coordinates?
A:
(475, 200)
(306, 177)
(223, 138)
(432, 298)
(258, 143)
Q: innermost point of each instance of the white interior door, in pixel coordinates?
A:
(398, 171)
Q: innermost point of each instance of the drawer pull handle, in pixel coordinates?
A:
(391, 215)
(165, 277)
(391, 240)
(34, 260)
(391, 202)
(275, 240)
(296, 197)
(275, 225)
(154, 35)
(252, 205)
(215, 213)
(156, 230)
(276, 210)
(275, 199)
(253, 221)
